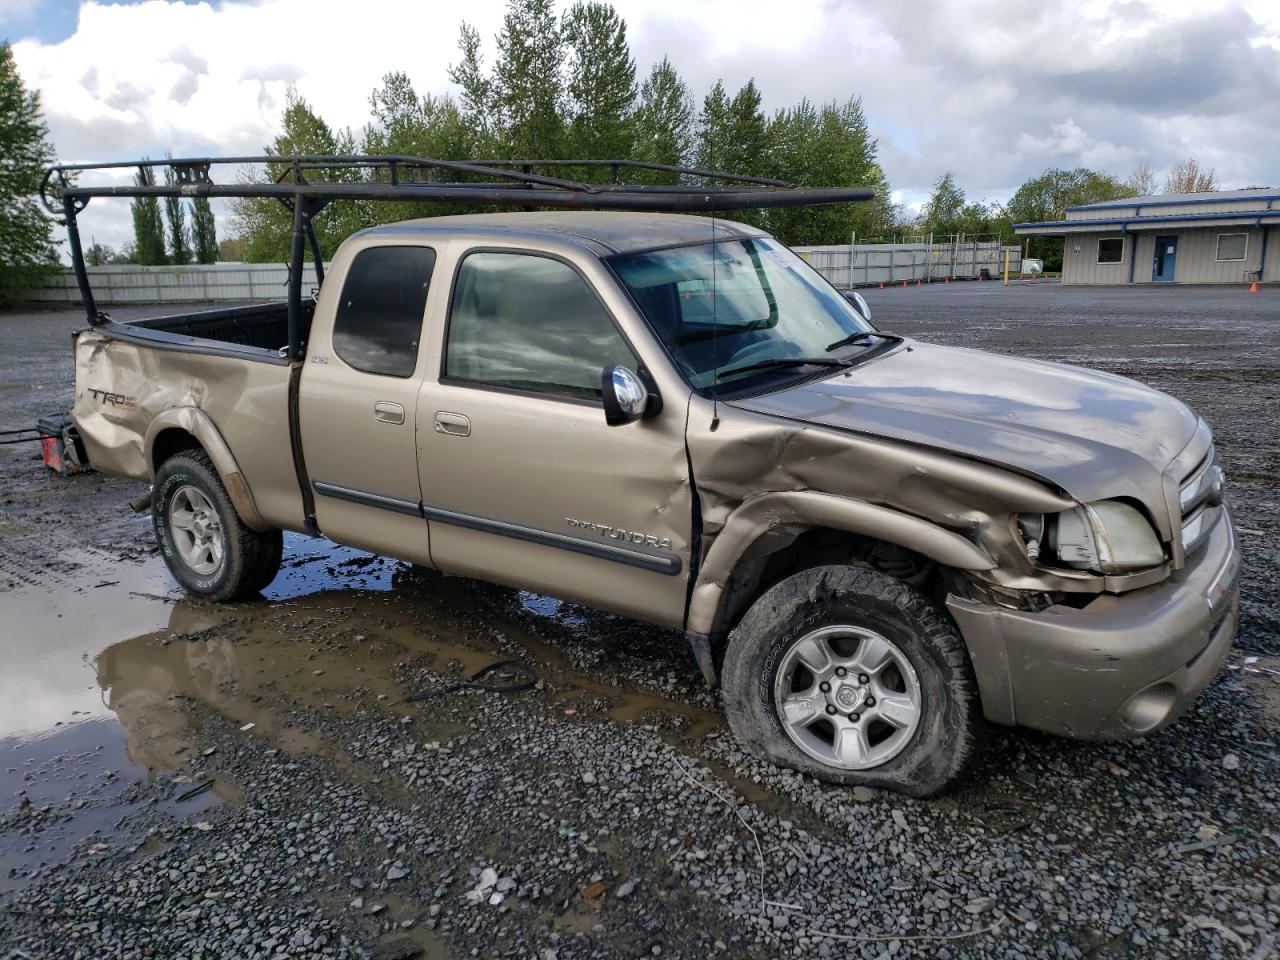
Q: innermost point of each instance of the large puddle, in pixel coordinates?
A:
(101, 668)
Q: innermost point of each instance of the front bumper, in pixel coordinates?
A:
(1120, 667)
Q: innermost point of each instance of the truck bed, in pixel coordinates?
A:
(258, 331)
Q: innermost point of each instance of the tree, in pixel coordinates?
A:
(663, 122)
(947, 213)
(527, 86)
(713, 129)
(943, 212)
(266, 224)
(99, 254)
(1142, 182)
(601, 87)
(26, 232)
(204, 231)
(733, 136)
(479, 108)
(829, 145)
(427, 126)
(1187, 176)
(148, 228)
(747, 141)
(232, 249)
(1047, 197)
(175, 217)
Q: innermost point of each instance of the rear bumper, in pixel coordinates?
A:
(1121, 667)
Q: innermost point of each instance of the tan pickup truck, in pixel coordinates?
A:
(873, 543)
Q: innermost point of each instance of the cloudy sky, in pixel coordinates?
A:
(993, 90)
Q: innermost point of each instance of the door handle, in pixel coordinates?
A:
(385, 412)
(454, 424)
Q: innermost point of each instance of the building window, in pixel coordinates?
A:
(1232, 246)
(1111, 250)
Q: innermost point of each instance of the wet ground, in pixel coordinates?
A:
(248, 780)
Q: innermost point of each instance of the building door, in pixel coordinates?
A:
(1166, 254)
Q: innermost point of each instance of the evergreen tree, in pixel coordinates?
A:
(26, 233)
(204, 231)
(733, 137)
(826, 146)
(479, 108)
(747, 141)
(175, 217)
(713, 129)
(663, 122)
(527, 83)
(148, 227)
(602, 83)
(426, 126)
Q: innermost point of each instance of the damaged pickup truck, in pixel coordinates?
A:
(872, 543)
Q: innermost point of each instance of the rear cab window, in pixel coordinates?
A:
(378, 323)
(527, 322)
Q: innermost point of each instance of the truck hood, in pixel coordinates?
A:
(1093, 435)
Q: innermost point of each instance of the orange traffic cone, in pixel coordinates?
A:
(904, 283)
(946, 280)
(1253, 287)
(917, 282)
(881, 284)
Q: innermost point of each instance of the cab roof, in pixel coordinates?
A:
(606, 232)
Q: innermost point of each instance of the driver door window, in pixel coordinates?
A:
(529, 323)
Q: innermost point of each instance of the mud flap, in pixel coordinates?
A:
(701, 645)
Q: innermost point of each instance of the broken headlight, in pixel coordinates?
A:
(1106, 536)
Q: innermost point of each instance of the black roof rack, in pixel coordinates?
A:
(423, 178)
(397, 177)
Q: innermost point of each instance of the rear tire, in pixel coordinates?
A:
(853, 677)
(205, 544)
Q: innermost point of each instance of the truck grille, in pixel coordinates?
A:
(1199, 498)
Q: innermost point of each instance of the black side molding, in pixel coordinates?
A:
(667, 564)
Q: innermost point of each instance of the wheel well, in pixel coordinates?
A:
(170, 441)
(770, 560)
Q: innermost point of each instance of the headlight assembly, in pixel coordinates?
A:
(1106, 536)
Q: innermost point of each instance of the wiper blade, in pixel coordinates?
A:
(779, 362)
(858, 336)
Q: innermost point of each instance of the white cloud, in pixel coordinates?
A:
(993, 90)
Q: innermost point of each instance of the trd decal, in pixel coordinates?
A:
(117, 400)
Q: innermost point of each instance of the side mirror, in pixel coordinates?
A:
(626, 397)
(859, 304)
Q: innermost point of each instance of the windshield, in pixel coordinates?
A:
(739, 304)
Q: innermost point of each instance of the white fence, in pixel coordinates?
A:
(865, 264)
(194, 283)
(870, 264)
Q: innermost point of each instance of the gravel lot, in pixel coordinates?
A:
(180, 779)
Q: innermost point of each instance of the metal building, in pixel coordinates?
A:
(1228, 236)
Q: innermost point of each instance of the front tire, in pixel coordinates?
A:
(856, 678)
(205, 544)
